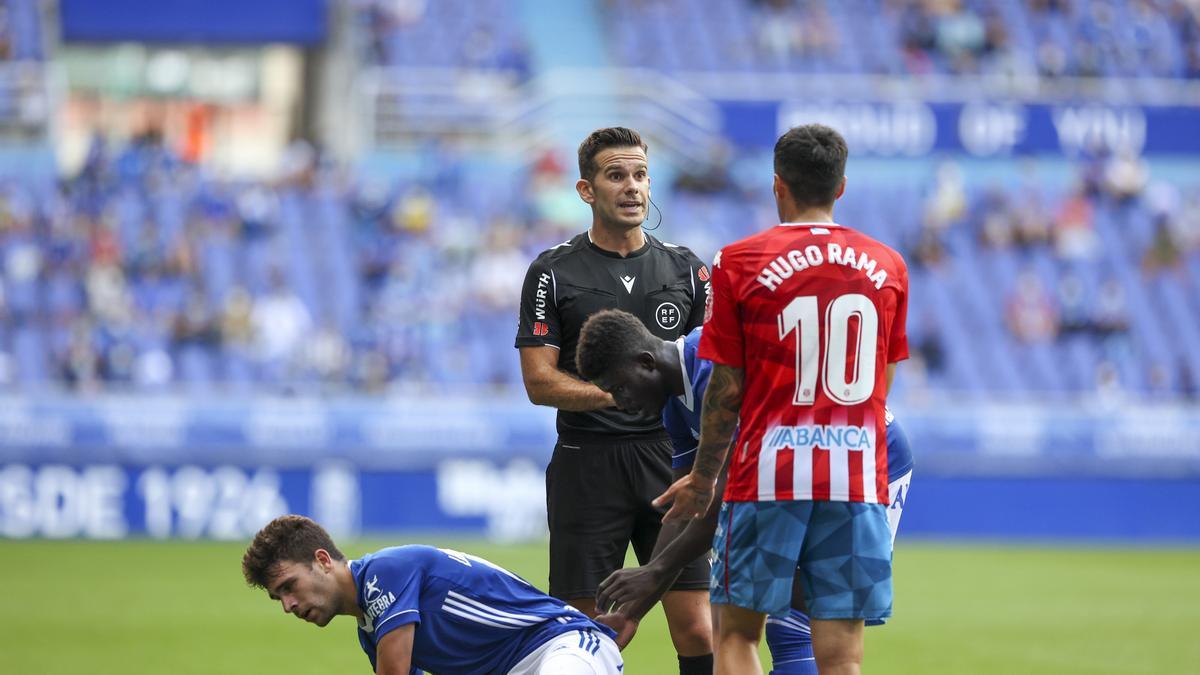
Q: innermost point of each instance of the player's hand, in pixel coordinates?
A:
(631, 592)
(625, 626)
(689, 497)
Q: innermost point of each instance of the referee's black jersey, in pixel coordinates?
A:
(662, 284)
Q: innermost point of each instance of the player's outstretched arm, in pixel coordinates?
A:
(631, 593)
(547, 385)
(393, 654)
(694, 493)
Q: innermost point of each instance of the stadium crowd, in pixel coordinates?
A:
(143, 271)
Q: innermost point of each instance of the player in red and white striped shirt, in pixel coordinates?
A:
(804, 326)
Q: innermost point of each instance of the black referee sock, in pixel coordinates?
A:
(696, 665)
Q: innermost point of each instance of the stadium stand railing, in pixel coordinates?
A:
(405, 106)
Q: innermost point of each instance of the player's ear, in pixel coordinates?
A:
(324, 560)
(841, 190)
(646, 360)
(584, 188)
(779, 188)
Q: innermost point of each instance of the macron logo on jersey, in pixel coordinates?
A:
(628, 282)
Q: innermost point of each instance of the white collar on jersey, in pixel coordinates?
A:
(809, 225)
(689, 396)
(366, 624)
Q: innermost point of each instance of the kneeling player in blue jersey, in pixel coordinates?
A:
(424, 608)
(645, 373)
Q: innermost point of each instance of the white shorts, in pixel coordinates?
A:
(897, 495)
(578, 652)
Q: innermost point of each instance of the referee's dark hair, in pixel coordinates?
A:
(285, 539)
(608, 338)
(811, 161)
(603, 139)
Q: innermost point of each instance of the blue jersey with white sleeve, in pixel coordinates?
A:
(471, 616)
(681, 416)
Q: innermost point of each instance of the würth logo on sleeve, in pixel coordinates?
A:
(540, 328)
(703, 273)
(539, 302)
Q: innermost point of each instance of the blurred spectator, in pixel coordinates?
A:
(1180, 217)
(947, 203)
(327, 355)
(1189, 387)
(1051, 60)
(928, 251)
(777, 30)
(710, 177)
(79, 361)
(414, 211)
(918, 37)
(931, 351)
(1109, 390)
(1158, 381)
(960, 35)
(6, 46)
(1111, 316)
(1032, 316)
(945, 206)
(1031, 224)
(196, 324)
(281, 323)
(1074, 312)
(1050, 6)
(1074, 233)
(996, 221)
(237, 321)
(257, 208)
(1125, 175)
(1165, 252)
(496, 273)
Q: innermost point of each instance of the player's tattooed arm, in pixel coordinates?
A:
(718, 420)
(693, 494)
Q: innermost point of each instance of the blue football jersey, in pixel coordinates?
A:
(681, 416)
(472, 616)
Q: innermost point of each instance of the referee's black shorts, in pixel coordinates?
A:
(598, 495)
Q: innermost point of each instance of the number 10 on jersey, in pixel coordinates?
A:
(802, 316)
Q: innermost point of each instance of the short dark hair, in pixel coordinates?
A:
(811, 161)
(603, 139)
(285, 539)
(608, 337)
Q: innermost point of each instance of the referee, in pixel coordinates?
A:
(608, 464)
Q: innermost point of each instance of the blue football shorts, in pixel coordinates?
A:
(842, 551)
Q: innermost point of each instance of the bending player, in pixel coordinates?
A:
(644, 373)
(420, 607)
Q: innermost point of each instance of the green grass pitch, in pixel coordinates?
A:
(178, 608)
